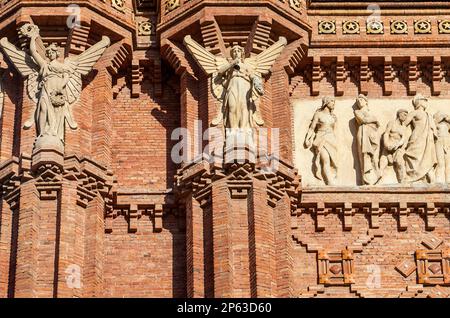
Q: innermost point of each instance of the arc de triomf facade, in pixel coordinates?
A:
(224, 148)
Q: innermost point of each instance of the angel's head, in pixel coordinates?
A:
(52, 52)
(237, 52)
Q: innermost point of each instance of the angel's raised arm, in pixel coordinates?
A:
(35, 54)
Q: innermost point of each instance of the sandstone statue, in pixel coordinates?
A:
(54, 86)
(321, 139)
(442, 147)
(237, 83)
(420, 153)
(368, 141)
(395, 139)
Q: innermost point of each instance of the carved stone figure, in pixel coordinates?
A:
(368, 141)
(394, 144)
(321, 139)
(442, 147)
(420, 153)
(54, 86)
(237, 83)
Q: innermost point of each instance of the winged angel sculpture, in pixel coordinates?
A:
(53, 86)
(237, 82)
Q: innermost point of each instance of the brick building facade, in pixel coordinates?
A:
(115, 216)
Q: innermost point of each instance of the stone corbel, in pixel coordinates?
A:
(136, 78)
(10, 182)
(175, 57)
(109, 218)
(340, 75)
(388, 76)
(77, 42)
(375, 215)
(157, 218)
(437, 75)
(119, 54)
(316, 76)
(430, 216)
(293, 55)
(134, 214)
(212, 36)
(259, 37)
(412, 75)
(402, 211)
(364, 75)
(347, 212)
(321, 211)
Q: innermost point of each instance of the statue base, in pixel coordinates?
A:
(47, 150)
(48, 142)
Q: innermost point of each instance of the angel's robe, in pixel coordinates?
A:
(420, 154)
(52, 108)
(238, 104)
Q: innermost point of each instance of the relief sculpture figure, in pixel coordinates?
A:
(394, 143)
(237, 84)
(321, 139)
(442, 147)
(420, 153)
(54, 86)
(368, 141)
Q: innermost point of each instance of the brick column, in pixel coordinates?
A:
(6, 224)
(195, 249)
(249, 214)
(282, 111)
(28, 240)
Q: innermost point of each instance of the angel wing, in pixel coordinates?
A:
(263, 62)
(207, 61)
(210, 64)
(25, 65)
(82, 65)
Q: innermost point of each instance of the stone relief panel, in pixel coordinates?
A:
(372, 142)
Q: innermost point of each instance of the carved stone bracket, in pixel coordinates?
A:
(318, 202)
(50, 169)
(198, 177)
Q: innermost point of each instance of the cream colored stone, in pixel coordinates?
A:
(237, 83)
(321, 139)
(349, 172)
(368, 141)
(442, 147)
(54, 86)
(394, 141)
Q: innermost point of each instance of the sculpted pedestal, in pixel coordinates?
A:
(238, 226)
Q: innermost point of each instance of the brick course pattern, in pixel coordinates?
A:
(114, 216)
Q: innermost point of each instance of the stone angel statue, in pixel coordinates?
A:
(54, 86)
(237, 82)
